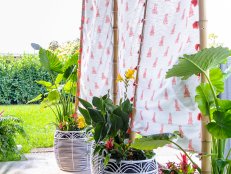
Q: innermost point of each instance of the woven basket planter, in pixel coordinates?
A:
(72, 151)
(148, 166)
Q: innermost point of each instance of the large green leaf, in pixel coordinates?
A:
(153, 141)
(220, 127)
(116, 123)
(127, 106)
(44, 83)
(124, 117)
(199, 63)
(98, 103)
(95, 115)
(98, 132)
(50, 61)
(53, 96)
(37, 98)
(85, 103)
(224, 105)
(73, 60)
(204, 98)
(217, 79)
(86, 115)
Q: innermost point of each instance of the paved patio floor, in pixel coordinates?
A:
(45, 163)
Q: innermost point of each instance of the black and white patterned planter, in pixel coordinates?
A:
(72, 151)
(148, 166)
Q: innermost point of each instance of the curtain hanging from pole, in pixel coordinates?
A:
(171, 30)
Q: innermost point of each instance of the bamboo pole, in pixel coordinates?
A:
(115, 52)
(206, 138)
(133, 134)
(79, 61)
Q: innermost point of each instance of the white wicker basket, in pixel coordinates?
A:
(72, 151)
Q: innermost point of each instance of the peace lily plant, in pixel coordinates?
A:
(207, 62)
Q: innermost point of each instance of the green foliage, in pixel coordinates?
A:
(199, 63)
(9, 128)
(208, 62)
(153, 141)
(110, 124)
(60, 90)
(17, 77)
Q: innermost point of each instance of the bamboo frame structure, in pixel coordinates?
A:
(206, 138)
(79, 63)
(115, 51)
(133, 134)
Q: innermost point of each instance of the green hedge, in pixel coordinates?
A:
(17, 79)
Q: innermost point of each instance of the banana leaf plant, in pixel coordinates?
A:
(207, 62)
(61, 89)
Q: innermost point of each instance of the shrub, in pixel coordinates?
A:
(17, 78)
(9, 128)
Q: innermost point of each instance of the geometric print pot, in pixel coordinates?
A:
(148, 166)
(72, 150)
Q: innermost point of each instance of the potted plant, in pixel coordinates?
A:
(72, 151)
(110, 128)
(207, 62)
(9, 128)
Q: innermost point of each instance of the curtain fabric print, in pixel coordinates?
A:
(170, 29)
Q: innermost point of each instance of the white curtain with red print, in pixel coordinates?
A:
(170, 30)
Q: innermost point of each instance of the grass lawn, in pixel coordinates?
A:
(36, 122)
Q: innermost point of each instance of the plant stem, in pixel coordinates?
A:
(198, 168)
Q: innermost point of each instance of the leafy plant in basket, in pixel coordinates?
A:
(110, 125)
(60, 90)
(207, 62)
(9, 128)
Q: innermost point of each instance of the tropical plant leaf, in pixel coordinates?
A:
(53, 96)
(224, 105)
(58, 79)
(95, 115)
(124, 118)
(220, 127)
(86, 115)
(44, 83)
(85, 103)
(200, 62)
(98, 132)
(204, 98)
(98, 103)
(50, 61)
(116, 123)
(153, 141)
(72, 61)
(37, 98)
(217, 79)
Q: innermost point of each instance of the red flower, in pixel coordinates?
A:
(129, 130)
(60, 126)
(184, 163)
(109, 144)
(74, 115)
(199, 116)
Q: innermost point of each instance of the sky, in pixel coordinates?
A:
(42, 21)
